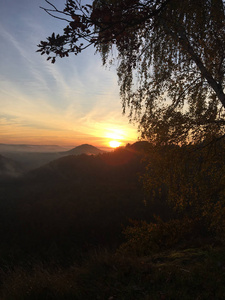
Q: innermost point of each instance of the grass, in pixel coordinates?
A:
(194, 273)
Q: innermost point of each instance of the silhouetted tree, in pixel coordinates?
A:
(171, 57)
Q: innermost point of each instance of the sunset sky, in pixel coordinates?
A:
(72, 102)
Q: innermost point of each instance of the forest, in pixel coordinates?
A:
(140, 222)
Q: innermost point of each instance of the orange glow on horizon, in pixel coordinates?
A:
(100, 134)
(114, 144)
(115, 136)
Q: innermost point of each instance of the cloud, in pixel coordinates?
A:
(74, 100)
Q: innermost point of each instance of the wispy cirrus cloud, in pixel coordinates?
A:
(76, 99)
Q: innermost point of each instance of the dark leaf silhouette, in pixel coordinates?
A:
(171, 58)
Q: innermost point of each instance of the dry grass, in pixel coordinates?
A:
(188, 274)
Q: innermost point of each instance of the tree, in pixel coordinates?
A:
(171, 58)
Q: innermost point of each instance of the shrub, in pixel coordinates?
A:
(145, 238)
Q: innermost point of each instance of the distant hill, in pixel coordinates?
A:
(31, 159)
(83, 163)
(77, 200)
(9, 167)
(83, 149)
(86, 197)
(30, 148)
(141, 146)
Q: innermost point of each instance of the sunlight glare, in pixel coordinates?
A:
(114, 144)
(115, 134)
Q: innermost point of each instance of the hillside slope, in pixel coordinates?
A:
(9, 167)
(34, 159)
(77, 199)
(83, 149)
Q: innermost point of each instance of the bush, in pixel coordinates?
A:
(145, 238)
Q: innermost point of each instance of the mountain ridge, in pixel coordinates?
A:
(87, 166)
(31, 160)
(84, 149)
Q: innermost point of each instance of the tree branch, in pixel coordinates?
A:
(181, 37)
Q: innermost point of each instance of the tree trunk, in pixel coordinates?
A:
(183, 40)
(217, 87)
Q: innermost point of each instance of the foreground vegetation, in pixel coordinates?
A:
(83, 227)
(194, 273)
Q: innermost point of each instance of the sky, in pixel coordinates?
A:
(69, 103)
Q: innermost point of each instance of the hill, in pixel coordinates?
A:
(32, 157)
(81, 227)
(77, 200)
(9, 167)
(91, 167)
(83, 149)
(30, 148)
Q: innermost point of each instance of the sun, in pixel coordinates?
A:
(114, 144)
(115, 137)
